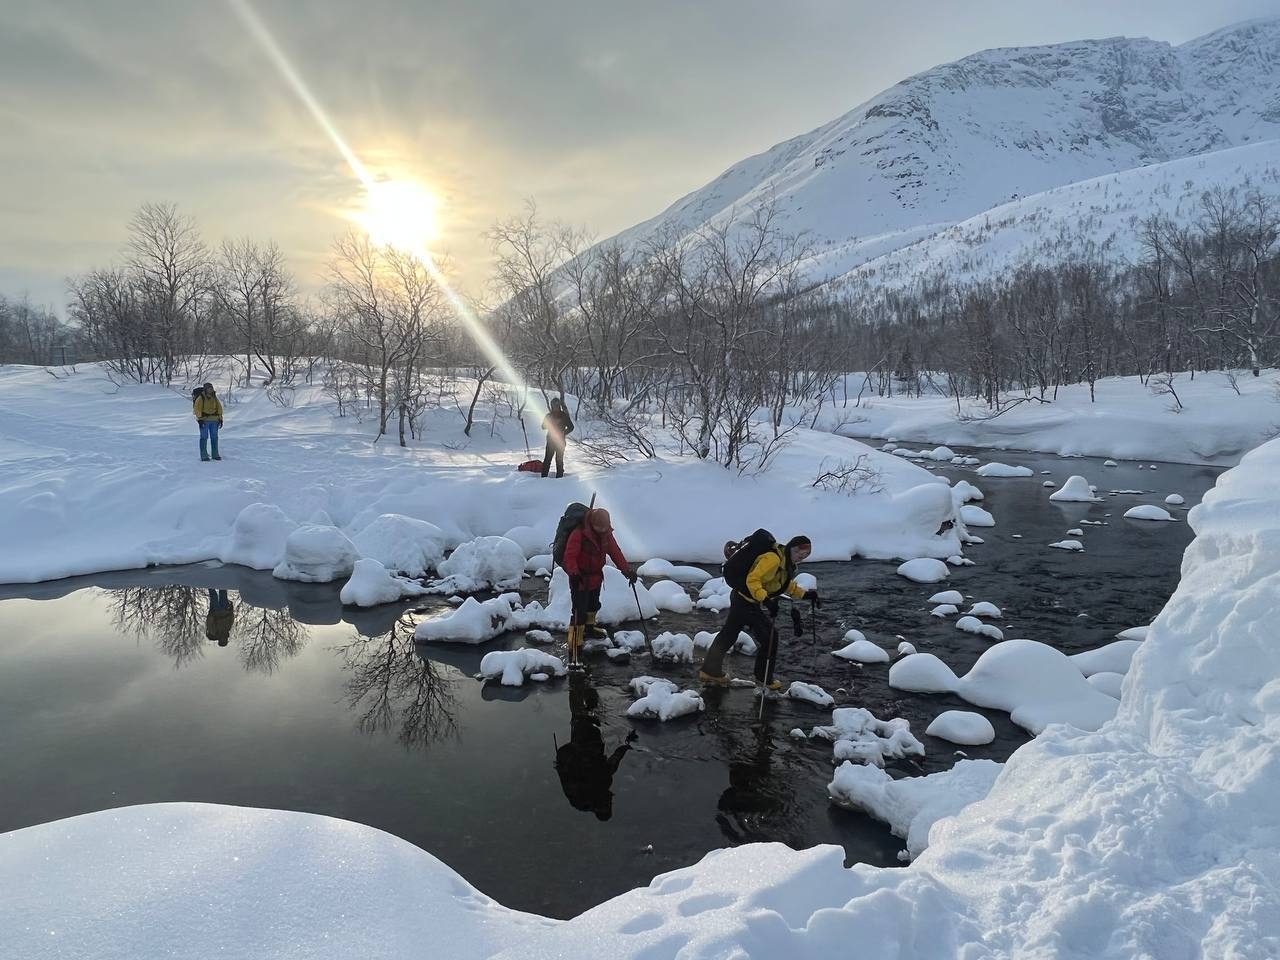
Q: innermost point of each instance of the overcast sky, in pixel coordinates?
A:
(604, 112)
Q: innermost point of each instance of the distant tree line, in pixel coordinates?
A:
(33, 335)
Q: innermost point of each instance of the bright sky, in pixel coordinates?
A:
(603, 112)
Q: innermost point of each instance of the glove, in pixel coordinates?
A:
(812, 597)
(219, 424)
(797, 622)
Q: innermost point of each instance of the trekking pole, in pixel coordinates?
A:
(640, 612)
(813, 626)
(768, 666)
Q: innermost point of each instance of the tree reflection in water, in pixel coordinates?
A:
(392, 687)
(176, 618)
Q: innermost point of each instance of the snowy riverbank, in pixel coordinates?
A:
(1155, 836)
(96, 476)
(1127, 420)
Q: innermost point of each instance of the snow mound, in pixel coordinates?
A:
(905, 649)
(1108, 683)
(673, 647)
(258, 536)
(1075, 532)
(995, 469)
(1115, 657)
(1075, 546)
(985, 609)
(539, 636)
(317, 554)
(714, 595)
(661, 699)
(669, 595)
(512, 666)
(1175, 500)
(539, 565)
(857, 735)
(657, 568)
(924, 570)
(948, 596)
(912, 805)
(976, 516)
(963, 727)
(402, 544)
(744, 644)
(532, 541)
(1147, 511)
(1075, 490)
(630, 640)
(862, 651)
(371, 585)
(485, 563)
(922, 673)
(475, 621)
(853, 634)
(963, 492)
(810, 693)
(976, 626)
(1049, 484)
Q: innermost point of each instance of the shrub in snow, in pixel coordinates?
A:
(922, 673)
(976, 516)
(924, 570)
(474, 621)
(481, 564)
(744, 644)
(944, 610)
(1075, 490)
(964, 727)
(1114, 657)
(912, 805)
(1003, 470)
(905, 649)
(1108, 683)
(1073, 545)
(1175, 500)
(948, 596)
(674, 647)
(1147, 511)
(316, 554)
(810, 693)
(862, 651)
(402, 544)
(974, 625)
(662, 700)
(512, 666)
(258, 536)
(669, 595)
(857, 735)
(984, 609)
(657, 568)
(371, 585)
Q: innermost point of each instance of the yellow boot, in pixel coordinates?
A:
(575, 642)
(594, 632)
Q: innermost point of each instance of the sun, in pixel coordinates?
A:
(399, 213)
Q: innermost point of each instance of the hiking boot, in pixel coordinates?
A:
(593, 630)
(774, 685)
(216, 457)
(204, 459)
(712, 680)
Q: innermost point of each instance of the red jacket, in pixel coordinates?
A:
(584, 555)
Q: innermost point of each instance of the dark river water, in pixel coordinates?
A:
(110, 694)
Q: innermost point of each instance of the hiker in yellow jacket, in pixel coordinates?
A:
(208, 411)
(753, 604)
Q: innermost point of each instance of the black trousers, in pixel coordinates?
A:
(756, 619)
(553, 450)
(584, 602)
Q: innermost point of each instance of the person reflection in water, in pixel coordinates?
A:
(586, 774)
(220, 618)
(751, 796)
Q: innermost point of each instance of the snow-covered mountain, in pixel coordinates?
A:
(950, 143)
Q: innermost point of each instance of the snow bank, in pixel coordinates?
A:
(258, 536)
(402, 544)
(857, 734)
(924, 570)
(862, 651)
(1147, 511)
(371, 585)
(963, 727)
(512, 666)
(661, 699)
(1003, 470)
(912, 805)
(486, 563)
(316, 554)
(1075, 490)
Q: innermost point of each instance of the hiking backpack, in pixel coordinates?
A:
(570, 520)
(741, 560)
(195, 394)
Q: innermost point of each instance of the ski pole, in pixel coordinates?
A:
(640, 612)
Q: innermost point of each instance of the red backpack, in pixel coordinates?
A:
(530, 466)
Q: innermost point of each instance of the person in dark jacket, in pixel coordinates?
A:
(208, 410)
(586, 773)
(558, 426)
(754, 609)
(585, 553)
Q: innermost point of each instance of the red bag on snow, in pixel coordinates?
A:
(530, 466)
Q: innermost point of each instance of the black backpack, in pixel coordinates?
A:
(570, 521)
(195, 394)
(740, 561)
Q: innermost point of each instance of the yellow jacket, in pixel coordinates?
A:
(768, 577)
(208, 408)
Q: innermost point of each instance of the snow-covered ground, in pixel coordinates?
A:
(1127, 421)
(1157, 835)
(97, 476)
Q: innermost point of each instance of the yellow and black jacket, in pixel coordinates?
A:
(770, 576)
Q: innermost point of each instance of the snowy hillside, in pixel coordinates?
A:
(947, 144)
(1100, 217)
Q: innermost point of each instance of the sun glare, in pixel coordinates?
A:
(399, 213)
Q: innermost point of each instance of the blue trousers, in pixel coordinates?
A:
(209, 434)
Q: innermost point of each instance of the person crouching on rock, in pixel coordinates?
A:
(584, 557)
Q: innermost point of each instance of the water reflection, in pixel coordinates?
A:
(392, 686)
(182, 619)
(586, 773)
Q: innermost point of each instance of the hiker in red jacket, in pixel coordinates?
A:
(584, 558)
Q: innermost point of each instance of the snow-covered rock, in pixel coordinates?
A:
(1134, 633)
(402, 544)
(532, 541)
(954, 597)
(1175, 500)
(629, 640)
(944, 610)
(674, 647)
(317, 554)
(857, 735)
(669, 595)
(538, 636)
(924, 570)
(1110, 463)
(1075, 532)
(474, 622)
(485, 563)
(1048, 483)
(1075, 490)
(658, 568)
(984, 608)
(714, 595)
(995, 469)
(512, 666)
(964, 727)
(258, 536)
(922, 673)
(1147, 511)
(905, 649)
(371, 585)
(617, 601)
(862, 651)
(976, 626)
(962, 491)
(1114, 657)
(810, 693)
(1108, 683)
(661, 699)
(744, 644)
(1075, 546)
(976, 516)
